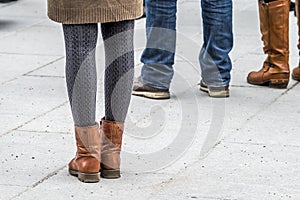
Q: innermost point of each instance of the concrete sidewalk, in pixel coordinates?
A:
(189, 147)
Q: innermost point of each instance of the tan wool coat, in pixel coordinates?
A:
(93, 11)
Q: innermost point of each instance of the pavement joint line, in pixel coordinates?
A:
(209, 197)
(34, 118)
(245, 55)
(10, 80)
(150, 173)
(262, 144)
(29, 54)
(245, 86)
(43, 76)
(14, 185)
(194, 37)
(52, 132)
(251, 86)
(32, 17)
(39, 182)
(186, 60)
(44, 25)
(50, 63)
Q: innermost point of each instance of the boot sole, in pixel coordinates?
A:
(110, 173)
(86, 177)
(273, 83)
(152, 95)
(294, 78)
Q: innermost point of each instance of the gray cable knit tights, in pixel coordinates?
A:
(81, 75)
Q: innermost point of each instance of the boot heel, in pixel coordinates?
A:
(110, 173)
(279, 83)
(88, 178)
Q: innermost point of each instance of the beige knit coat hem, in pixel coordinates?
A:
(95, 15)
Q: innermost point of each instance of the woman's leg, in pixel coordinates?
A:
(119, 71)
(81, 77)
(119, 68)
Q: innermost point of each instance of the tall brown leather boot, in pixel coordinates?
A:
(296, 71)
(111, 143)
(86, 164)
(274, 26)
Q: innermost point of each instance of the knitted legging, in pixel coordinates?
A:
(81, 75)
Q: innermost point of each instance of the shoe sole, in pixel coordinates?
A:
(215, 94)
(152, 95)
(294, 78)
(273, 83)
(86, 177)
(204, 89)
(110, 173)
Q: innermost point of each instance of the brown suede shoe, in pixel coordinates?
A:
(139, 89)
(217, 92)
(86, 164)
(296, 74)
(111, 143)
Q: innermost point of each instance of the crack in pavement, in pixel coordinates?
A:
(34, 118)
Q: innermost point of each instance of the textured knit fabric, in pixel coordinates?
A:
(81, 75)
(94, 11)
(119, 68)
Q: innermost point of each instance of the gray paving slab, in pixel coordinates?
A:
(293, 36)
(242, 25)
(277, 123)
(12, 24)
(35, 40)
(246, 172)
(23, 99)
(52, 69)
(13, 66)
(189, 24)
(27, 8)
(58, 120)
(9, 191)
(27, 157)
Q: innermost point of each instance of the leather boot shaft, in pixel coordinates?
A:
(111, 144)
(274, 26)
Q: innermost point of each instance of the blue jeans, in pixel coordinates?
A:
(214, 60)
(158, 57)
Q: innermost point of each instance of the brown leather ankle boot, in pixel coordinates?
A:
(274, 26)
(296, 71)
(86, 164)
(111, 143)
